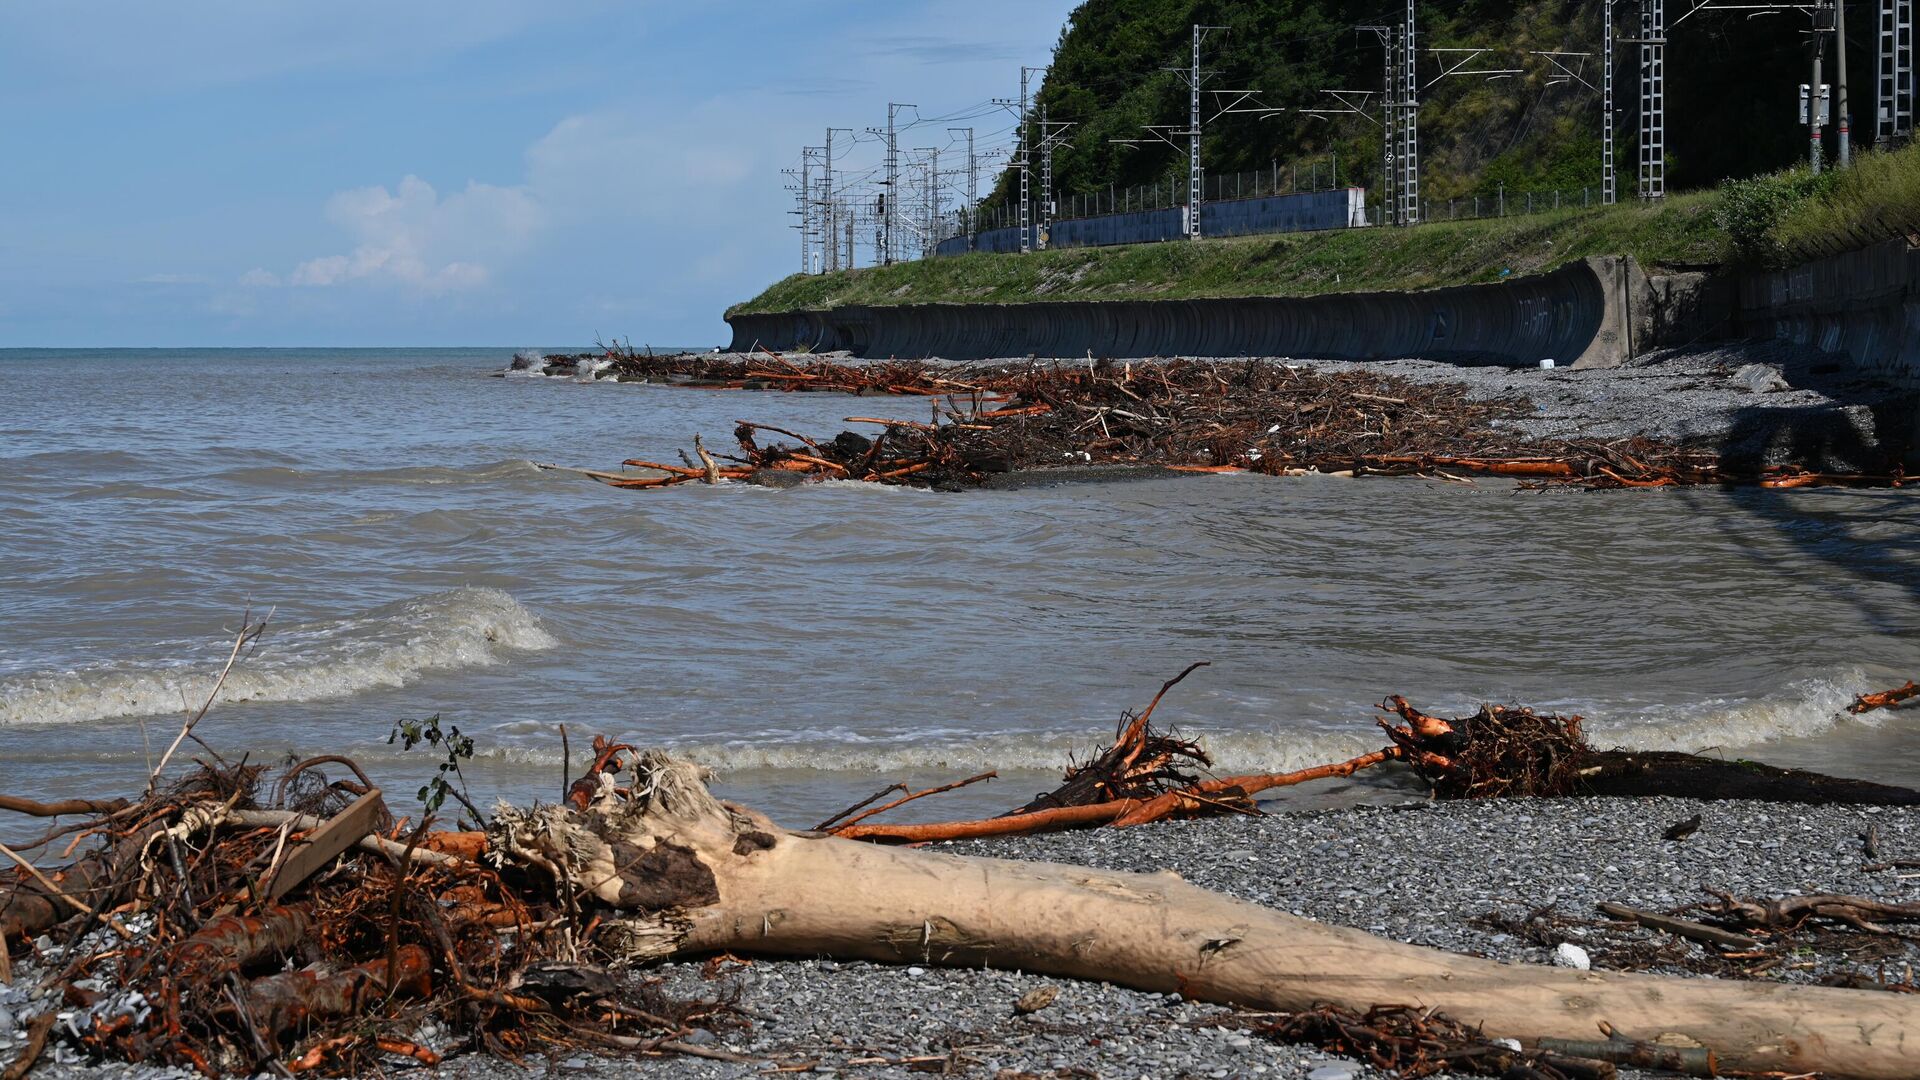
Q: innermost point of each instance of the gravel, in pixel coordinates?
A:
(1421, 872)
(1699, 395)
(1696, 395)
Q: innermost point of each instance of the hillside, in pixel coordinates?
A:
(1532, 130)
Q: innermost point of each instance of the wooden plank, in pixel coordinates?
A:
(325, 843)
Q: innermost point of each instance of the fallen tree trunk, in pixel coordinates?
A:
(28, 908)
(1638, 773)
(62, 807)
(693, 875)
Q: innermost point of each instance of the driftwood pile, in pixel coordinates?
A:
(281, 920)
(247, 919)
(1146, 775)
(1181, 414)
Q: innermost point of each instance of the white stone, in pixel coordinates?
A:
(1569, 955)
(1511, 1044)
(1332, 1072)
(1761, 379)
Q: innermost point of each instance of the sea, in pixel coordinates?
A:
(382, 510)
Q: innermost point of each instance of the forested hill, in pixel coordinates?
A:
(1732, 92)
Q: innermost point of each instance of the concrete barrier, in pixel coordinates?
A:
(1863, 306)
(1581, 314)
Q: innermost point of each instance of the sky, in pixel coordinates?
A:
(448, 172)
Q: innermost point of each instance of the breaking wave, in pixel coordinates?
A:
(389, 646)
(1804, 709)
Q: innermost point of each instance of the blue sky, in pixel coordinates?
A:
(424, 172)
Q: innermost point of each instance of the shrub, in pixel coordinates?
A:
(1751, 211)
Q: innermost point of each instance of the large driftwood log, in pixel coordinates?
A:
(694, 875)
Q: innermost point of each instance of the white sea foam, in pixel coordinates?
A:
(389, 646)
(1804, 709)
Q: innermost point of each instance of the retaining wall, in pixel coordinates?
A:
(1861, 305)
(1300, 212)
(1580, 314)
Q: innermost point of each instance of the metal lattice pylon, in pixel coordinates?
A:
(1409, 133)
(1193, 138)
(1609, 191)
(1390, 127)
(1894, 102)
(1653, 99)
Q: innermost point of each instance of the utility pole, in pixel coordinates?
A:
(1022, 157)
(1609, 188)
(933, 200)
(1389, 52)
(973, 187)
(890, 198)
(1026, 162)
(1816, 96)
(1193, 139)
(1653, 99)
(1409, 149)
(813, 232)
(893, 176)
(829, 210)
(1893, 103)
(1195, 173)
(1046, 182)
(1050, 133)
(1195, 78)
(1845, 132)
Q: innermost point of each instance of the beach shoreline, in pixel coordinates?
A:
(1772, 402)
(1507, 879)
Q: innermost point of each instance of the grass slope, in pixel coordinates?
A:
(1680, 232)
(1767, 221)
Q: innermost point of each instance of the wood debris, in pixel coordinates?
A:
(1185, 415)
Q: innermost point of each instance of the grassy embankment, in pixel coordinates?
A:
(1771, 220)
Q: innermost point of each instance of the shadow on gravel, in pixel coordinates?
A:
(1873, 536)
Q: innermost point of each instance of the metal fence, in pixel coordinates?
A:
(1133, 215)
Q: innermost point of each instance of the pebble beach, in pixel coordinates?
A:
(1511, 880)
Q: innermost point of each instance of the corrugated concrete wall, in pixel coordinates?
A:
(1302, 212)
(1863, 305)
(1578, 314)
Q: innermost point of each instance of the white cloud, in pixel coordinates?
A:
(413, 238)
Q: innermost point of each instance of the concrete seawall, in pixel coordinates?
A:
(1862, 306)
(1585, 314)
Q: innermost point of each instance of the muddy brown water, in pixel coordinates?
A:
(814, 644)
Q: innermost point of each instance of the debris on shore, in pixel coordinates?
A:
(1502, 751)
(1179, 415)
(247, 918)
